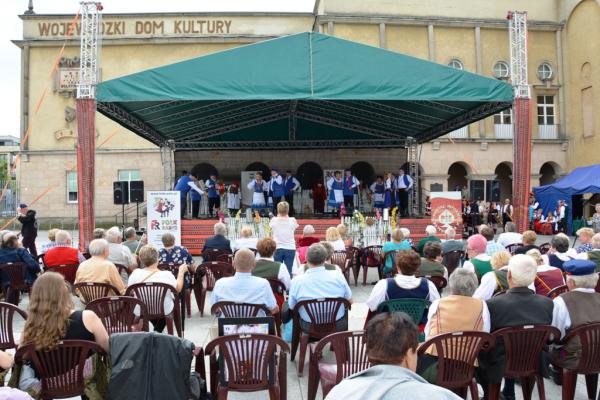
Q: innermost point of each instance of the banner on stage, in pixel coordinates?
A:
(446, 210)
(164, 215)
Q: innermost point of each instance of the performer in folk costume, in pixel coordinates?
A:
(258, 187)
(562, 216)
(335, 186)
(184, 184)
(390, 198)
(214, 200)
(378, 190)
(507, 212)
(350, 185)
(290, 185)
(233, 198)
(276, 190)
(319, 195)
(196, 196)
(403, 184)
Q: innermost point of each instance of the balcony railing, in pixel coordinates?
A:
(462, 133)
(548, 131)
(503, 131)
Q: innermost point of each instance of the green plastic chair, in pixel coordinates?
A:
(415, 308)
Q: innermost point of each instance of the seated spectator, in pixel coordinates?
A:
(496, 280)
(343, 231)
(517, 307)
(559, 251)
(398, 243)
(451, 243)
(457, 312)
(585, 238)
(11, 252)
(99, 233)
(118, 253)
(98, 269)
(594, 254)
(246, 241)
(478, 262)
(529, 239)
(243, 287)
(131, 241)
(63, 253)
(266, 267)
(150, 273)
(405, 284)
(407, 239)
(579, 306)
(52, 318)
(171, 254)
(317, 283)
(547, 277)
(51, 241)
(307, 236)
(492, 246)
(391, 344)
(431, 263)
(510, 235)
(431, 231)
(300, 268)
(218, 241)
(332, 235)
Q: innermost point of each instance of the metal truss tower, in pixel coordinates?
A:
(413, 155)
(91, 22)
(517, 28)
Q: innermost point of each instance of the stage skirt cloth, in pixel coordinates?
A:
(387, 203)
(258, 200)
(336, 197)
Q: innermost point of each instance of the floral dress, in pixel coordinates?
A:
(176, 256)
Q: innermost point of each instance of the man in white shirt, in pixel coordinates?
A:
(510, 235)
(290, 186)
(507, 212)
(403, 184)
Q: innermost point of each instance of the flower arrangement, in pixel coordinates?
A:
(370, 221)
(359, 218)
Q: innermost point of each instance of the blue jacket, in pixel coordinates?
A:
(19, 255)
(211, 187)
(216, 242)
(182, 185)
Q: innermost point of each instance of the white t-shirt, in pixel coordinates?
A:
(283, 232)
(138, 275)
(338, 245)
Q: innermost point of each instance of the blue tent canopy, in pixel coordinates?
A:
(582, 180)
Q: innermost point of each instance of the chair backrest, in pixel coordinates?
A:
(61, 369)
(215, 270)
(353, 255)
(213, 254)
(350, 352)
(16, 274)
(457, 352)
(153, 294)
(544, 247)
(122, 268)
(246, 358)
(7, 315)
(522, 347)
(512, 247)
(118, 313)
(439, 281)
(91, 291)
(589, 337)
(231, 309)
(321, 314)
(87, 255)
(452, 260)
(277, 287)
(172, 268)
(339, 258)
(372, 256)
(415, 308)
(68, 271)
(40, 259)
(390, 255)
(557, 291)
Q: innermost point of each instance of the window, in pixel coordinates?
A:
(501, 70)
(72, 188)
(456, 64)
(545, 110)
(544, 71)
(587, 111)
(503, 118)
(129, 175)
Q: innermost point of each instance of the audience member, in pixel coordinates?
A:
(407, 239)
(391, 344)
(396, 244)
(131, 241)
(479, 261)
(332, 235)
(585, 238)
(510, 235)
(243, 287)
(431, 263)
(517, 307)
(451, 243)
(307, 236)
(63, 253)
(594, 254)
(343, 231)
(495, 281)
(492, 246)
(171, 254)
(559, 251)
(150, 273)
(405, 284)
(51, 241)
(99, 233)
(12, 252)
(246, 241)
(283, 227)
(119, 254)
(430, 230)
(98, 269)
(218, 241)
(547, 277)
(529, 239)
(266, 267)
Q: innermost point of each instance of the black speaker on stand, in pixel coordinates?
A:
(121, 196)
(136, 189)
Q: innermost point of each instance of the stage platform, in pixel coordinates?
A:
(195, 232)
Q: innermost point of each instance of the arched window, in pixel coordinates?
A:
(204, 170)
(309, 174)
(456, 64)
(364, 172)
(545, 72)
(258, 166)
(501, 70)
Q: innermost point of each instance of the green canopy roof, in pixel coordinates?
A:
(301, 91)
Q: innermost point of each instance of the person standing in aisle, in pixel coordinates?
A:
(29, 229)
(404, 184)
(290, 185)
(214, 199)
(350, 185)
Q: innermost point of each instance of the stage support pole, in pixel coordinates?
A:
(85, 166)
(522, 162)
(167, 158)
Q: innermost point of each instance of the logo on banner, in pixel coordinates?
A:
(445, 216)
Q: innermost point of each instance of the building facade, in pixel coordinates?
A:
(466, 34)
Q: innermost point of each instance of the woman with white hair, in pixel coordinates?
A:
(430, 230)
(406, 234)
(332, 235)
(308, 237)
(246, 241)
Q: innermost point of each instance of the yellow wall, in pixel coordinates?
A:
(455, 43)
(362, 33)
(411, 40)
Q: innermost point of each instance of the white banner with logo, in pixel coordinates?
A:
(164, 215)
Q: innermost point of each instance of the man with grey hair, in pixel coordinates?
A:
(243, 287)
(219, 241)
(430, 231)
(451, 243)
(62, 253)
(510, 235)
(99, 233)
(117, 253)
(98, 268)
(131, 241)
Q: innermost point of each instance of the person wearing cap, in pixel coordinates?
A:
(29, 229)
(290, 185)
(350, 185)
(335, 186)
(579, 306)
(214, 199)
(276, 188)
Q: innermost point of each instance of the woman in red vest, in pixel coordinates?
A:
(547, 277)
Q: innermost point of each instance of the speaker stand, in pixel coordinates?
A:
(123, 215)
(137, 215)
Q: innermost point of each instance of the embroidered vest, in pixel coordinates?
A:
(212, 189)
(547, 280)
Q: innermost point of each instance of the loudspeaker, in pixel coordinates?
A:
(136, 191)
(121, 192)
(477, 190)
